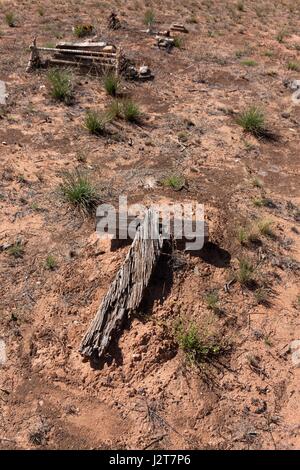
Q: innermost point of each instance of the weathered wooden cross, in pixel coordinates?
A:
(126, 291)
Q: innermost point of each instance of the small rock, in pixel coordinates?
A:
(295, 345)
(5, 246)
(2, 352)
(144, 70)
(296, 358)
(109, 49)
(285, 115)
(196, 270)
(3, 94)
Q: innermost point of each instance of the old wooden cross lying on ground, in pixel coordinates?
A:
(126, 291)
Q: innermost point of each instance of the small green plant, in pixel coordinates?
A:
(61, 88)
(78, 191)
(149, 17)
(240, 5)
(10, 19)
(245, 274)
(265, 228)
(16, 250)
(269, 53)
(248, 145)
(252, 120)
(83, 30)
(41, 11)
(261, 296)
(114, 110)
(240, 53)
(247, 235)
(129, 110)
(260, 202)
(178, 42)
(253, 235)
(95, 122)
(267, 339)
(111, 83)
(294, 66)
(212, 300)
(195, 348)
(51, 263)
(242, 236)
(271, 73)
(81, 156)
(257, 183)
(192, 19)
(249, 62)
(174, 181)
(183, 136)
(281, 35)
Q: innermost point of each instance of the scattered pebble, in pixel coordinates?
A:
(3, 94)
(294, 348)
(295, 345)
(2, 352)
(296, 358)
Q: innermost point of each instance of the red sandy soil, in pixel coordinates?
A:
(147, 394)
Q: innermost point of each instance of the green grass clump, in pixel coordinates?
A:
(240, 53)
(50, 262)
(192, 19)
(183, 136)
(95, 122)
(281, 35)
(129, 110)
(114, 110)
(61, 88)
(294, 66)
(252, 120)
(79, 192)
(240, 5)
(262, 296)
(247, 235)
(83, 30)
(257, 183)
(242, 235)
(249, 62)
(178, 42)
(16, 250)
(245, 274)
(212, 300)
(149, 17)
(269, 53)
(265, 228)
(260, 202)
(111, 83)
(10, 19)
(174, 181)
(196, 348)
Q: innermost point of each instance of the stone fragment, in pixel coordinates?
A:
(3, 357)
